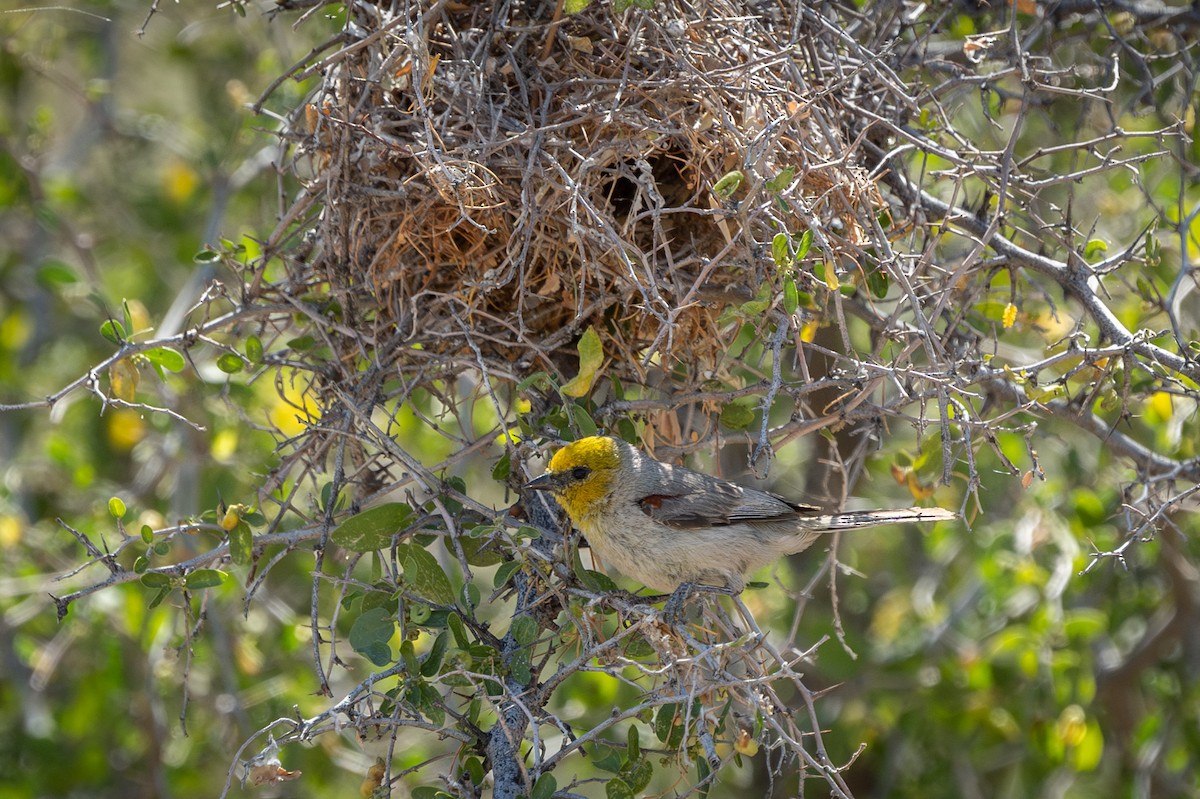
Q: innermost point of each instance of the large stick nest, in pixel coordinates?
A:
(496, 179)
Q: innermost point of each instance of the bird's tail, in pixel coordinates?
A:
(852, 520)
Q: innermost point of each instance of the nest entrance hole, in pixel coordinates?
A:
(671, 173)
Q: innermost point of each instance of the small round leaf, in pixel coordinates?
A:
(230, 364)
(116, 506)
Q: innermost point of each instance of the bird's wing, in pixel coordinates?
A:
(689, 500)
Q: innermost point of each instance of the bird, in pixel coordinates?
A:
(674, 529)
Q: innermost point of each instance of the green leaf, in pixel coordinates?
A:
(518, 667)
(990, 309)
(460, 486)
(805, 244)
(746, 310)
(419, 613)
(526, 533)
(424, 575)
(595, 581)
(155, 580)
(433, 661)
(781, 181)
(147, 534)
(427, 700)
(877, 282)
(592, 580)
(781, 251)
(1093, 248)
(606, 758)
(1153, 246)
(505, 572)
(1084, 624)
(116, 507)
(524, 630)
(545, 787)
(737, 416)
(1045, 393)
(458, 630)
(591, 358)
(539, 379)
(127, 316)
(56, 273)
(702, 772)
(206, 256)
(617, 788)
(381, 598)
(241, 540)
(1087, 754)
(158, 598)
(165, 357)
(502, 468)
(427, 792)
(473, 766)
(728, 184)
(373, 528)
(205, 578)
(113, 331)
(633, 751)
(480, 552)
(302, 343)
(574, 7)
(791, 297)
(760, 303)
(582, 421)
(254, 349)
(370, 636)
(328, 499)
(230, 364)
(408, 654)
(668, 725)
(637, 775)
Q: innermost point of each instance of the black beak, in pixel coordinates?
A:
(547, 482)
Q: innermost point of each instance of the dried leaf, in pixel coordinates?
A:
(123, 379)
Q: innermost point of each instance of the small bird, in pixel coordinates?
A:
(668, 526)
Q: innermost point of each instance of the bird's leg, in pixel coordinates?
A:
(673, 610)
(614, 598)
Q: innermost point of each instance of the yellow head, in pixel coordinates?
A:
(581, 476)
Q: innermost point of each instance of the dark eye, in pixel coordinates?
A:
(580, 473)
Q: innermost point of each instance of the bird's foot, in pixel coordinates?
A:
(673, 610)
(615, 599)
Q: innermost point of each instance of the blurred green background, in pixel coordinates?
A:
(983, 663)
